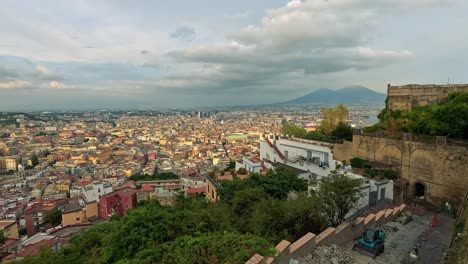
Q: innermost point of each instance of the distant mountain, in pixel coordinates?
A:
(348, 95)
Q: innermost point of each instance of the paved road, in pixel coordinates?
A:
(435, 241)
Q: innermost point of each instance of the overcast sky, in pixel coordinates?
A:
(111, 54)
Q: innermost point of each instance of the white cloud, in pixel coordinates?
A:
(56, 85)
(299, 39)
(17, 84)
(45, 73)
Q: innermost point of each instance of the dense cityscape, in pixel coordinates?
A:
(230, 132)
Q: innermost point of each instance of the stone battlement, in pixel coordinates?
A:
(407, 97)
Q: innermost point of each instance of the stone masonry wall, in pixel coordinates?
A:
(340, 235)
(442, 169)
(408, 96)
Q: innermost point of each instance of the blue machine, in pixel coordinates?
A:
(371, 243)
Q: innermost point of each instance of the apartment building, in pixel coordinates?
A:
(94, 191)
(35, 216)
(117, 202)
(313, 158)
(251, 164)
(9, 228)
(76, 213)
(7, 164)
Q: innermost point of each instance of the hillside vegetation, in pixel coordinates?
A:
(446, 119)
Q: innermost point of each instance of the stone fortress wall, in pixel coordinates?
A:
(441, 168)
(407, 97)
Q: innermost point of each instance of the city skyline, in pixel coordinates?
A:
(153, 54)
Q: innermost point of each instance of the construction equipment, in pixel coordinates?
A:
(371, 243)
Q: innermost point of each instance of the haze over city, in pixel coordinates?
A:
(139, 54)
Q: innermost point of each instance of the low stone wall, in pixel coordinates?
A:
(342, 234)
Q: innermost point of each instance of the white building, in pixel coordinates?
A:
(93, 191)
(313, 157)
(251, 164)
(189, 182)
(373, 191)
(312, 160)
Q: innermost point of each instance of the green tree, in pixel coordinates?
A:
(2, 238)
(242, 171)
(342, 113)
(337, 195)
(276, 184)
(332, 117)
(214, 248)
(343, 131)
(157, 176)
(289, 219)
(230, 166)
(53, 217)
(245, 200)
(34, 160)
(22, 232)
(290, 129)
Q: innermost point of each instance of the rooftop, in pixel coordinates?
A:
(5, 223)
(126, 190)
(73, 207)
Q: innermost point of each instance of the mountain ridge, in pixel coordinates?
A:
(346, 95)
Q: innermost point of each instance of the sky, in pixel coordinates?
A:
(88, 54)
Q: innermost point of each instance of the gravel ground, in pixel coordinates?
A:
(327, 255)
(399, 241)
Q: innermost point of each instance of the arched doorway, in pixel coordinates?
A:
(419, 190)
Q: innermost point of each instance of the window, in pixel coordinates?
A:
(77, 219)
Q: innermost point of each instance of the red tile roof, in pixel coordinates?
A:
(34, 249)
(195, 190)
(147, 188)
(8, 242)
(173, 187)
(126, 190)
(190, 172)
(41, 207)
(255, 159)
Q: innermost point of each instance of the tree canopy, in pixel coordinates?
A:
(333, 125)
(2, 238)
(338, 194)
(34, 160)
(332, 117)
(156, 176)
(53, 217)
(252, 216)
(276, 184)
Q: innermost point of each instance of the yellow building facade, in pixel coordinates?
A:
(9, 228)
